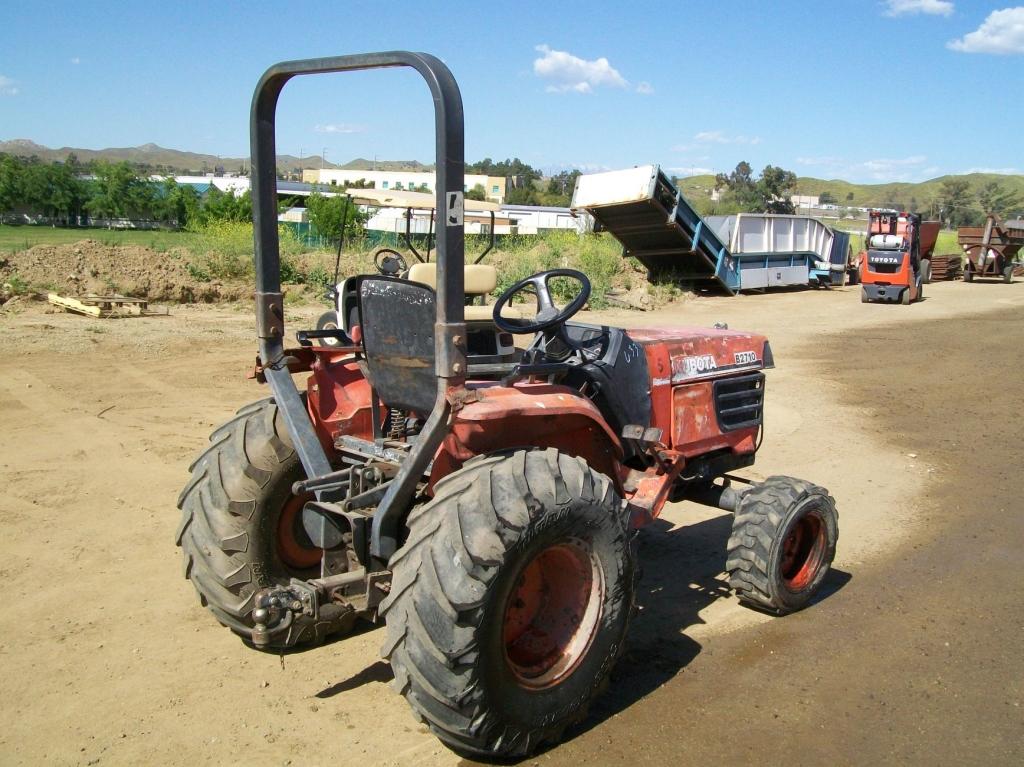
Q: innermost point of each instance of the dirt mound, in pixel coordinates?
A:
(91, 267)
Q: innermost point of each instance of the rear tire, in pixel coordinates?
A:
(1008, 273)
(241, 526)
(863, 295)
(905, 296)
(926, 271)
(782, 544)
(510, 600)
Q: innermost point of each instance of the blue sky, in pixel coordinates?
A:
(866, 91)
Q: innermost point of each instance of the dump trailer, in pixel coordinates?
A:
(990, 249)
(896, 263)
(642, 209)
(776, 250)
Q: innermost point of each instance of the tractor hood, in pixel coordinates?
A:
(696, 353)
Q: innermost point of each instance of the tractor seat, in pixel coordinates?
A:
(480, 279)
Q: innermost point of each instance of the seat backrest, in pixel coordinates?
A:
(480, 278)
(397, 318)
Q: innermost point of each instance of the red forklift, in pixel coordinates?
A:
(896, 263)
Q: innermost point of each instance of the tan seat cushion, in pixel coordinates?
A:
(480, 278)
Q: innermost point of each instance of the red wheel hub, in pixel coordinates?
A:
(803, 551)
(553, 613)
(293, 545)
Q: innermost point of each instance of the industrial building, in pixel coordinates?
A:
(495, 187)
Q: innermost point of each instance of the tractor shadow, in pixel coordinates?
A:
(683, 572)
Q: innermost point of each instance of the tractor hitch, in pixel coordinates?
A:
(324, 599)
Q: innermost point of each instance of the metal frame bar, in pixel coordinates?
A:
(449, 326)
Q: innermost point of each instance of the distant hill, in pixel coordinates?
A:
(153, 155)
(393, 165)
(914, 197)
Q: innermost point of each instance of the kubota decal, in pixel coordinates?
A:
(702, 363)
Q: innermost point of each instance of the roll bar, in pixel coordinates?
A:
(449, 326)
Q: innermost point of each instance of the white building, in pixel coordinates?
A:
(495, 187)
(805, 201)
(534, 219)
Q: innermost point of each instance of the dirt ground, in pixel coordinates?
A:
(909, 415)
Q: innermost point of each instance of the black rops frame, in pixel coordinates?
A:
(449, 326)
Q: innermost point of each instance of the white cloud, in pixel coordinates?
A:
(929, 7)
(7, 87)
(882, 169)
(76, 60)
(717, 137)
(644, 88)
(690, 170)
(827, 160)
(569, 73)
(339, 128)
(1001, 171)
(1002, 33)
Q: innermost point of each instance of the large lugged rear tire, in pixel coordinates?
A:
(510, 600)
(241, 526)
(782, 544)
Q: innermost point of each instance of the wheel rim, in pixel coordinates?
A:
(553, 613)
(293, 545)
(803, 551)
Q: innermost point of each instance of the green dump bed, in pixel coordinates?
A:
(645, 212)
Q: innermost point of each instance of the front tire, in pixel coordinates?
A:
(1008, 273)
(926, 271)
(782, 544)
(328, 321)
(510, 600)
(241, 528)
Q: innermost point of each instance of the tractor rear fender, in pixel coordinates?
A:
(530, 415)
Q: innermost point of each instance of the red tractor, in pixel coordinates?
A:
(897, 263)
(485, 512)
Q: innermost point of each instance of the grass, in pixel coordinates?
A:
(223, 252)
(15, 238)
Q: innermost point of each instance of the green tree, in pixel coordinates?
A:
(560, 188)
(769, 193)
(176, 205)
(775, 188)
(955, 202)
(827, 198)
(327, 213)
(118, 192)
(512, 167)
(477, 193)
(740, 188)
(996, 200)
(11, 176)
(524, 194)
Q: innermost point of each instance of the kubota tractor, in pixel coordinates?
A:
(897, 261)
(487, 518)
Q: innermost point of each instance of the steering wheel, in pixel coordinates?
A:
(548, 315)
(389, 262)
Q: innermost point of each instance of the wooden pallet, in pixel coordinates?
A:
(103, 306)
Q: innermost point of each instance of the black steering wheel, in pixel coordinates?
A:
(389, 262)
(548, 315)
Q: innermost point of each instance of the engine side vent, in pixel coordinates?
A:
(739, 401)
